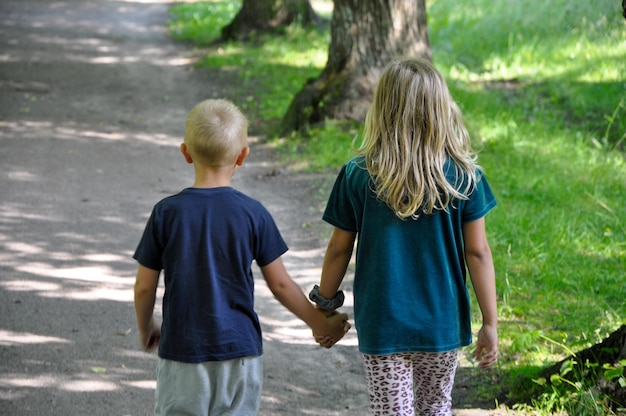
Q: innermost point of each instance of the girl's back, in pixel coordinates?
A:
(410, 278)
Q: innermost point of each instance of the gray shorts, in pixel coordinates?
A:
(212, 388)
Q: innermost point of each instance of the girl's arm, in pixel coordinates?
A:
(482, 274)
(291, 296)
(336, 260)
(146, 283)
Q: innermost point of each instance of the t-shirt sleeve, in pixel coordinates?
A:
(339, 210)
(270, 244)
(150, 248)
(480, 202)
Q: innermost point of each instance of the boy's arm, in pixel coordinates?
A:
(146, 283)
(482, 273)
(291, 296)
(336, 260)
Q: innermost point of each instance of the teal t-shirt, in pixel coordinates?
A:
(410, 291)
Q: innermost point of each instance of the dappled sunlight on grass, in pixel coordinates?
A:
(202, 21)
(562, 71)
(271, 67)
(303, 59)
(558, 235)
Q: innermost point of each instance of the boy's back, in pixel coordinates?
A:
(205, 241)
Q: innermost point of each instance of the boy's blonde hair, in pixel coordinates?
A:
(412, 127)
(216, 132)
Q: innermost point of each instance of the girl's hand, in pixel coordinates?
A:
(487, 346)
(337, 326)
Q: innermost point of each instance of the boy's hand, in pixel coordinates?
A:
(337, 326)
(487, 346)
(150, 340)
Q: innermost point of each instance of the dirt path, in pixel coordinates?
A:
(93, 95)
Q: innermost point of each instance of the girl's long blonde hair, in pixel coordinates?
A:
(412, 127)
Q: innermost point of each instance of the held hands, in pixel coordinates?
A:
(336, 327)
(487, 346)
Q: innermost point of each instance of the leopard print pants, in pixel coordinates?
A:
(411, 384)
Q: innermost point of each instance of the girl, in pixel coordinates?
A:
(416, 199)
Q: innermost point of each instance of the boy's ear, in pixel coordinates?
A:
(185, 152)
(242, 156)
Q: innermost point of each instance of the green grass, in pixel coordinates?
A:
(543, 89)
(202, 22)
(264, 74)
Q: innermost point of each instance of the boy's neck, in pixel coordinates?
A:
(213, 177)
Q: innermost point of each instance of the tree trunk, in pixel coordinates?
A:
(365, 36)
(610, 351)
(258, 16)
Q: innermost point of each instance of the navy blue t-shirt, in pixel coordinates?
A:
(205, 241)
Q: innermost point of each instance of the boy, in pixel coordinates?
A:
(205, 239)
